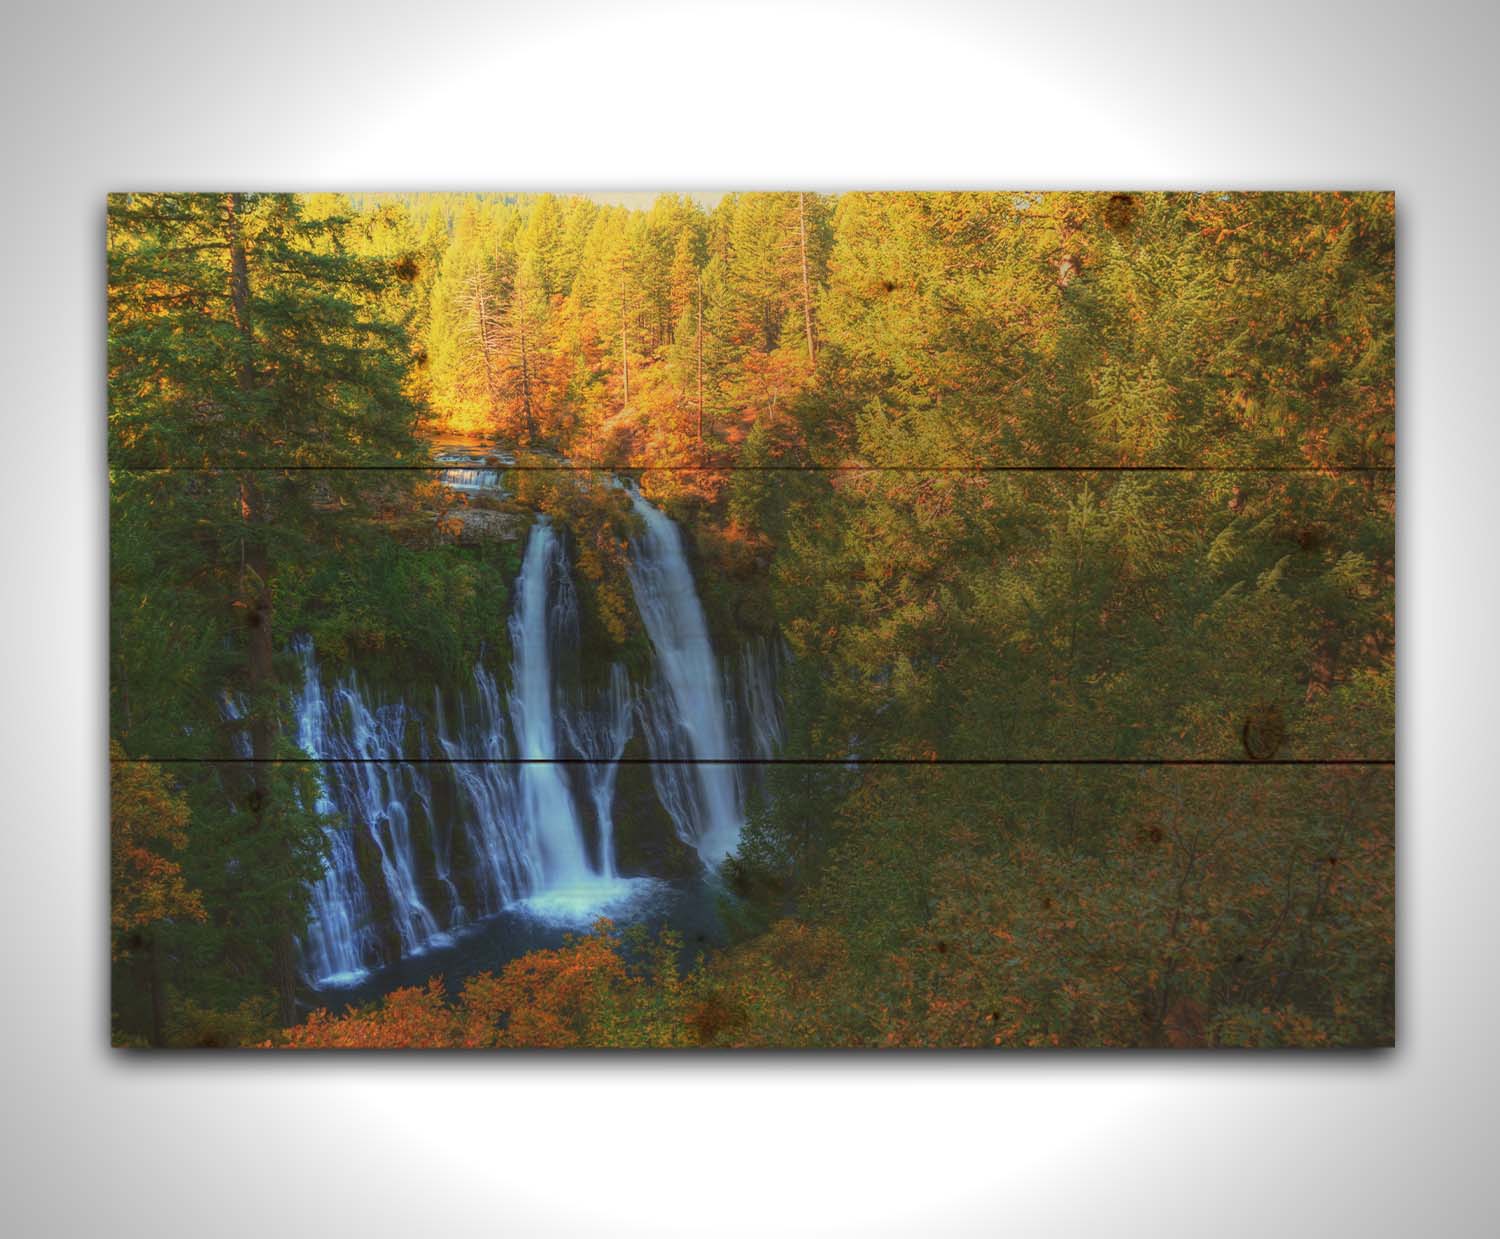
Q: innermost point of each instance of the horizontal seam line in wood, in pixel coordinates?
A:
(761, 761)
(466, 465)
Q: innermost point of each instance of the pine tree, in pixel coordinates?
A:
(242, 342)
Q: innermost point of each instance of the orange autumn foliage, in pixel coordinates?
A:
(146, 817)
(542, 999)
(418, 1018)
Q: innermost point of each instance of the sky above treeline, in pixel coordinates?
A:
(641, 200)
(636, 200)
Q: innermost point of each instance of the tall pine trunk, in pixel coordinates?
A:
(624, 352)
(526, 409)
(812, 351)
(482, 319)
(700, 367)
(256, 583)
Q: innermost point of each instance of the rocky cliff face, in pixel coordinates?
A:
(469, 525)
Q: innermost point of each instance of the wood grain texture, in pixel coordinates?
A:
(925, 619)
(1073, 622)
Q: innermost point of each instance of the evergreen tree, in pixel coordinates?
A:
(243, 342)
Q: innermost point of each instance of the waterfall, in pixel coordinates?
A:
(546, 607)
(473, 479)
(686, 720)
(446, 814)
(473, 470)
(759, 697)
(501, 865)
(371, 792)
(600, 735)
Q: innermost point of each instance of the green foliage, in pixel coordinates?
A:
(419, 614)
(953, 614)
(1232, 600)
(196, 1027)
(248, 336)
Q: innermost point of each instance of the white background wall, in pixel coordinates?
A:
(266, 94)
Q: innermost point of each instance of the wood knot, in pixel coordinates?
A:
(1119, 212)
(1263, 732)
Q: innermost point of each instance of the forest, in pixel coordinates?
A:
(763, 620)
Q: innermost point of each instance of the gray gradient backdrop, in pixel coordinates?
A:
(373, 95)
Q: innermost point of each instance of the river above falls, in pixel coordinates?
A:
(472, 464)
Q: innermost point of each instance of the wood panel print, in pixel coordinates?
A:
(778, 620)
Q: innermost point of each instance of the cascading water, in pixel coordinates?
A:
(600, 735)
(546, 607)
(688, 723)
(371, 792)
(545, 620)
(420, 848)
(759, 698)
(472, 470)
(501, 864)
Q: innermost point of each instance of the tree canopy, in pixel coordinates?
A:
(1074, 512)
